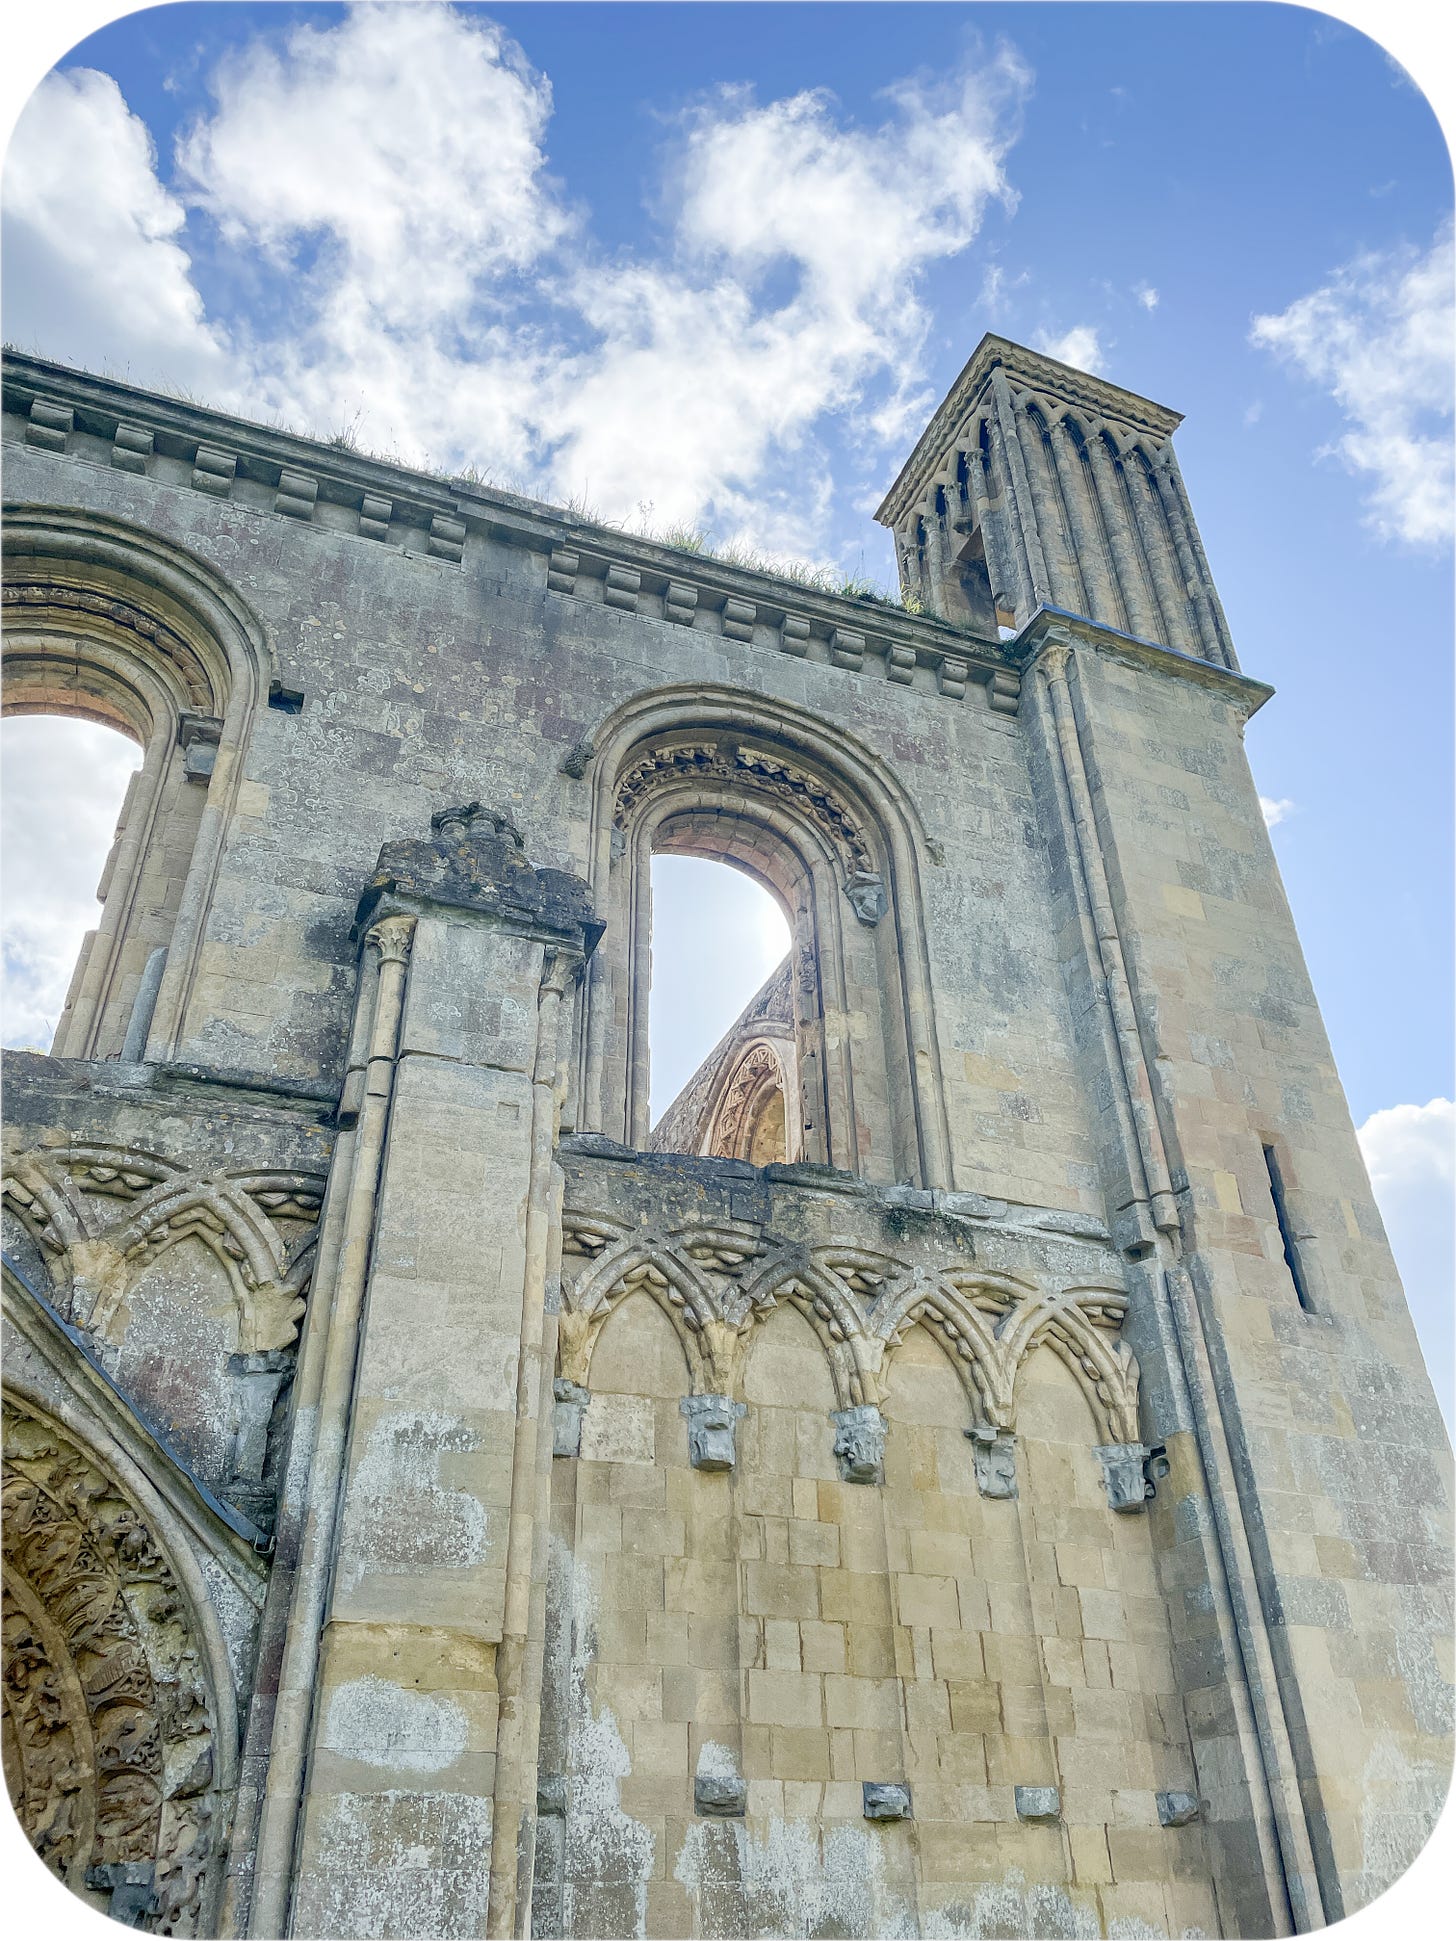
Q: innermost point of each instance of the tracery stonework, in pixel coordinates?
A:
(108, 1734)
(966, 1466)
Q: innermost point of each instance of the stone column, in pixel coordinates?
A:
(1127, 566)
(1177, 631)
(1006, 441)
(1007, 587)
(419, 1705)
(1211, 609)
(1098, 584)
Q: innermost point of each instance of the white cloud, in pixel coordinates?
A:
(1378, 337)
(1078, 347)
(54, 772)
(1275, 812)
(1147, 296)
(698, 380)
(94, 271)
(1410, 1151)
(379, 226)
(1254, 411)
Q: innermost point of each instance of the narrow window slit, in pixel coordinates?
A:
(1286, 1230)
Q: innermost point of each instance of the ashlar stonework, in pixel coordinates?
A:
(967, 1469)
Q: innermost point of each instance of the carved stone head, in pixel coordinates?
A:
(712, 1430)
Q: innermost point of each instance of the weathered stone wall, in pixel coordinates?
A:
(975, 1623)
(673, 1545)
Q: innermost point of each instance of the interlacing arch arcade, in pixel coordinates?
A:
(715, 1284)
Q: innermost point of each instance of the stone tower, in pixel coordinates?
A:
(969, 1468)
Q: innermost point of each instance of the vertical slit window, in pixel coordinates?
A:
(1286, 1230)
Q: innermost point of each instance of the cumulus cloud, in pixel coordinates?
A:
(53, 769)
(1078, 347)
(94, 269)
(1275, 812)
(386, 247)
(1410, 1151)
(1378, 337)
(1147, 296)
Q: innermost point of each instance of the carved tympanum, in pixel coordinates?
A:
(109, 1737)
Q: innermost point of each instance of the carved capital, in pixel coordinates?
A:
(1053, 658)
(392, 938)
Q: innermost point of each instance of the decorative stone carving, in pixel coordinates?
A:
(131, 448)
(680, 603)
(109, 1734)
(866, 891)
(712, 1430)
(1038, 1803)
(375, 514)
(738, 619)
(568, 1409)
(715, 1284)
(1123, 1474)
(900, 664)
(622, 588)
(886, 1801)
(561, 570)
(722, 1796)
(297, 494)
(859, 1443)
(199, 735)
(132, 1888)
(213, 471)
(1177, 1809)
(994, 1456)
(954, 674)
(49, 425)
(447, 538)
(1003, 694)
(259, 1225)
(742, 768)
(19, 592)
(794, 634)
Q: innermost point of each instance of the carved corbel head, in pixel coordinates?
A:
(575, 1333)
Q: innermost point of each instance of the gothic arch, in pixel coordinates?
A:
(120, 1719)
(743, 1102)
(803, 806)
(99, 1215)
(107, 622)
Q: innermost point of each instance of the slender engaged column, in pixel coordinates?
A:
(298, 1677)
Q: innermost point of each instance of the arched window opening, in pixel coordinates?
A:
(64, 786)
(721, 1028)
(800, 806)
(108, 625)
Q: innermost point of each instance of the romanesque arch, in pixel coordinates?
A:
(119, 1722)
(810, 813)
(107, 622)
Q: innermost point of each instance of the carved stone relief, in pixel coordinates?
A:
(108, 1726)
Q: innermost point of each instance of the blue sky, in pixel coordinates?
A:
(721, 261)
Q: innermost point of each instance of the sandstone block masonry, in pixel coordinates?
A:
(985, 1482)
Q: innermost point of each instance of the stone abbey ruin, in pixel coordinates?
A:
(967, 1471)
